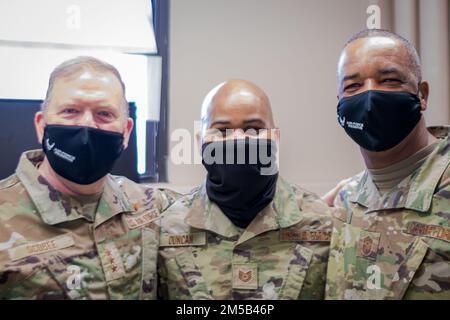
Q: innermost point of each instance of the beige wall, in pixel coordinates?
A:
(287, 47)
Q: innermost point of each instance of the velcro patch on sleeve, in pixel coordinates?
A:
(184, 239)
(428, 230)
(35, 248)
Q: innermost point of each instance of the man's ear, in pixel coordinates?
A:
(275, 135)
(198, 138)
(127, 133)
(39, 125)
(424, 91)
(278, 135)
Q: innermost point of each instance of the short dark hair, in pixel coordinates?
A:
(414, 60)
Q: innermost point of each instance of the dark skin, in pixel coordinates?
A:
(235, 104)
(382, 63)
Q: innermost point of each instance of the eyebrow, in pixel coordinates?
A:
(76, 104)
(222, 122)
(389, 71)
(253, 121)
(381, 71)
(351, 77)
(248, 121)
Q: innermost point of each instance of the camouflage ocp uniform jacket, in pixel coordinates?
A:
(395, 246)
(281, 255)
(50, 250)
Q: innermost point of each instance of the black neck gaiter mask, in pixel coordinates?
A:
(242, 176)
(379, 120)
(81, 154)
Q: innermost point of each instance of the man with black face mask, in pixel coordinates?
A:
(245, 233)
(392, 240)
(68, 229)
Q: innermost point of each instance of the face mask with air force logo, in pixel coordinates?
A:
(81, 154)
(379, 120)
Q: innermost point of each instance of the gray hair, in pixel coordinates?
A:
(414, 60)
(75, 65)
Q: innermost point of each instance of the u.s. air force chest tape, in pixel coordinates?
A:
(245, 276)
(45, 246)
(183, 239)
(428, 230)
(138, 220)
(294, 234)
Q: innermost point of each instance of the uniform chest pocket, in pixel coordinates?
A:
(432, 279)
(193, 278)
(29, 278)
(180, 275)
(380, 266)
(26, 273)
(297, 270)
(281, 271)
(129, 264)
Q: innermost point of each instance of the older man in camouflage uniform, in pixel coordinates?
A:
(212, 248)
(61, 239)
(393, 237)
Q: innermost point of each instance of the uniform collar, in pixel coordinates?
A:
(54, 207)
(282, 212)
(414, 192)
(113, 200)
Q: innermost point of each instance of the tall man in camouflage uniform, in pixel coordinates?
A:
(244, 233)
(69, 230)
(393, 238)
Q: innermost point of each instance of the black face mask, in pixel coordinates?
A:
(81, 154)
(247, 185)
(379, 120)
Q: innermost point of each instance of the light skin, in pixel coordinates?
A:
(381, 63)
(238, 105)
(88, 98)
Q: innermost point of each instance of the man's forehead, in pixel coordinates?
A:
(237, 107)
(376, 52)
(238, 111)
(87, 88)
(89, 85)
(89, 78)
(372, 44)
(241, 96)
(235, 100)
